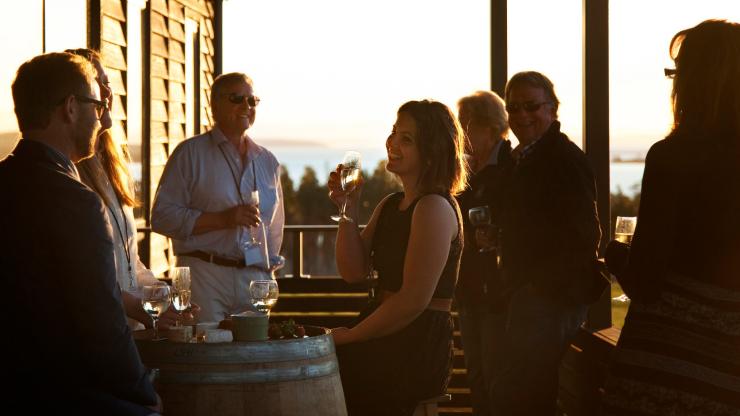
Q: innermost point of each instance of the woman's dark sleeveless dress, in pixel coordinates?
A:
(389, 375)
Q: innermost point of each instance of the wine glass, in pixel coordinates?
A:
(156, 299)
(350, 175)
(479, 217)
(180, 290)
(254, 199)
(264, 294)
(625, 229)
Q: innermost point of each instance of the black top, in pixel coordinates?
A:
(480, 269)
(61, 305)
(551, 227)
(689, 217)
(392, 238)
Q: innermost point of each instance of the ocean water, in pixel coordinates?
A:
(626, 176)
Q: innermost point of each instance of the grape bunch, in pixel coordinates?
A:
(286, 329)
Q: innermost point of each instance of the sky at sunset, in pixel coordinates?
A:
(333, 72)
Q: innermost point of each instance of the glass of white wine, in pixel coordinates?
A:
(480, 217)
(264, 294)
(625, 229)
(180, 290)
(350, 175)
(156, 299)
(254, 199)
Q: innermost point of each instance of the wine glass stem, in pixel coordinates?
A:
(344, 208)
(156, 327)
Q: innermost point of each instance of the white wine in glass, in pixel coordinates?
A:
(156, 299)
(264, 294)
(180, 290)
(254, 199)
(625, 229)
(479, 217)
(349, 176)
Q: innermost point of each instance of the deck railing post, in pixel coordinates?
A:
(297, 254)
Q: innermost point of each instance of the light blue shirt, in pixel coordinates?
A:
(197, 179)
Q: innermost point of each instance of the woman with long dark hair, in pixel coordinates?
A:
(679, 351)
(400, 350)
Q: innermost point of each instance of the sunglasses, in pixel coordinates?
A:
(529, 107)
(669, 72)
(100, 106)
(239, 99)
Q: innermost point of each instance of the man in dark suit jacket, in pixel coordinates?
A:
(551, 234)
(66, 337)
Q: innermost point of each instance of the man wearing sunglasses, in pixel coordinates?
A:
(205, 203)
(62, 304)
(550, 240)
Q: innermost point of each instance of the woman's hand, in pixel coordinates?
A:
(135, 310)
(170, 317)
(341, 335)
(337, 194)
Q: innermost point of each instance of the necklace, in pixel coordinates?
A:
(123, 233)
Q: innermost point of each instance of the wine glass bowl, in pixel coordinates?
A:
(625, 229)
(480, 217)
(263, 294)
(180, 290)
(254, 199)
(349, 177)
(155, 300)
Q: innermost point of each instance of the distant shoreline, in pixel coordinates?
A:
(632, 160)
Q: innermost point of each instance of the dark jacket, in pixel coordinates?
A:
(66, 333)
(479, 276)
(689, 218)
(551, 227)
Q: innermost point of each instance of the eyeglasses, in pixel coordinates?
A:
(239, 99)
(669, 72)
(529, 106)
(100, 106)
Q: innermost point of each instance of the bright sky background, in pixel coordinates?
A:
(334, 72)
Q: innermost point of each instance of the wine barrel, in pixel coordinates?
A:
(280, 377)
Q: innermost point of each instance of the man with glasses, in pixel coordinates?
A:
(550, 240)
(62, 312)
(228, 234)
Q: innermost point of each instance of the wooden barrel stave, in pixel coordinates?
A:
(280, 378)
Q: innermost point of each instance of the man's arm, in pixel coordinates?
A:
(172, 212)
(106, 352)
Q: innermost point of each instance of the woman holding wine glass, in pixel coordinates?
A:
(400, 350)
(678, 349)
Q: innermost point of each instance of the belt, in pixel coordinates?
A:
(435, 304)
(218, 260)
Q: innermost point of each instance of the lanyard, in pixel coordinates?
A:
(124, 239)
(233, 174)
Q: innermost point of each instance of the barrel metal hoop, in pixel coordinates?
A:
(258, 375)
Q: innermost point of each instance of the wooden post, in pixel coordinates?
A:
(596, 127)
(499, 41)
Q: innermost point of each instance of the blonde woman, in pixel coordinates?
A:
(106, 172)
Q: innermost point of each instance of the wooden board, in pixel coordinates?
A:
(113, 31)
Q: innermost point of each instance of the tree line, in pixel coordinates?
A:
(309, 204)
